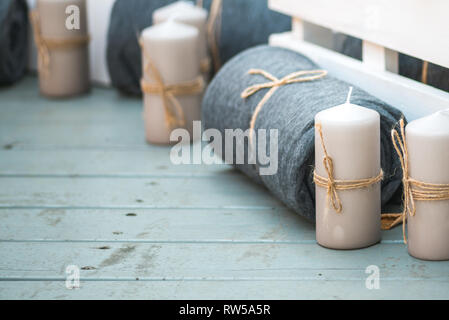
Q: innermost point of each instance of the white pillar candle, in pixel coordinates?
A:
(428, 148)
(67, 70)
(173, 49)
(186, 12)
(352, 139)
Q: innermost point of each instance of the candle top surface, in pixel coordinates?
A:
(434, 124)
(181, 11)
(169, 30)
(347, 113)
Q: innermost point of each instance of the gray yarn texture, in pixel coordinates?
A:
(291, 110)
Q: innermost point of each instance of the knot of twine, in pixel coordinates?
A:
(273, 85)
(333, 185)
(45, 44)
(168, 92)
(414, 190)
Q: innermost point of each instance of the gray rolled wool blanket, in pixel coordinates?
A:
(291, 110)
(13, 40)
(244, 23)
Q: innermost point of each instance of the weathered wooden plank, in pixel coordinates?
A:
(155, 225)
(219, 191)
(23, 104)
(148, 162)
(199, 261)
(72, 136)
(214, 226)
(225, 290)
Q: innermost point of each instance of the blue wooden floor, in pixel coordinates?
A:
(79, 186)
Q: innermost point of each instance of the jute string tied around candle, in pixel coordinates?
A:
(414, 190)
(273, 85)
(334, 185)
(174, 114)
(45, 44)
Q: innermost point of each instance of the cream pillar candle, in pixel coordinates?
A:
(351, 135)
(173, 49)
(427, 140)
(65, 70)
(186, 12)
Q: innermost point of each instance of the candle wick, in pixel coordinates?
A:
(348, 99)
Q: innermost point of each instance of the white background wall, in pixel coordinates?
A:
(98, 12)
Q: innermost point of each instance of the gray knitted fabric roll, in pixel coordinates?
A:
(245, 23)
(291, 110)
(13, 40)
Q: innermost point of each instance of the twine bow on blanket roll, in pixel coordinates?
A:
(273, 85)
(168, 92)
(334, 185)
(414, 190)
(45, 44)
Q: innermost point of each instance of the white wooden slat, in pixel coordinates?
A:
(278, 225)
(199, 261)
(414, 99)
(220, 191)
(224, 290)
(414, 27)
(379, 58)
(374, 56)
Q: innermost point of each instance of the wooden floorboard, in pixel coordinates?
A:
(350, 289)
(211, 261)
(80, 186)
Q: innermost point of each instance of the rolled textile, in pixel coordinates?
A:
(291, 110)
(242, 24)
(13, 40)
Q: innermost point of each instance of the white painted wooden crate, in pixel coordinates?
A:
(414, 27)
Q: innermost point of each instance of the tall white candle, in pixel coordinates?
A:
(428, 148)
(186, 12)
(67, 70)
(352, 139)
(173, 48)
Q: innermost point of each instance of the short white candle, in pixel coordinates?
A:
(428, 148)
(352, 138)
(186, 12)
(173, 48)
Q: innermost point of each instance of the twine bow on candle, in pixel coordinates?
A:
(168, 92)
(414, 190)
(273, 85)
(333, 185)
(45, 44)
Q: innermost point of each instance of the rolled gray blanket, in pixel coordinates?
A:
(13, 40)
(244, 24)
(291, 110)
